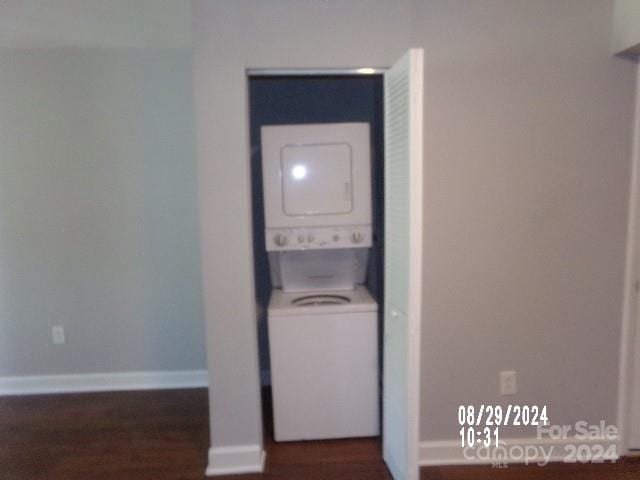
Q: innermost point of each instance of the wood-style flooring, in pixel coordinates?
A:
(163, 435)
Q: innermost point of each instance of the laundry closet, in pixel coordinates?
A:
(317, 202)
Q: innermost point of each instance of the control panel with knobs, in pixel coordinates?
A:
(314, 238)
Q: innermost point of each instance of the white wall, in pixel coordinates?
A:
(98, 212)
(626, 27)
(528, 147)
(229, 37)
(527, 153)
(95, 24)
(629, 401)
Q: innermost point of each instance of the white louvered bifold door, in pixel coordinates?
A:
(403, 264)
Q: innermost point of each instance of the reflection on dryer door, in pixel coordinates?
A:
(316, 179)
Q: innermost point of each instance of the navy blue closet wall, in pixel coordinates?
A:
(318, 99)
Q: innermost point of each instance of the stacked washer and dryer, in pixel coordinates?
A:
(323, 327)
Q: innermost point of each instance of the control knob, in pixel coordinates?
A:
(280, 240)
(357, 237)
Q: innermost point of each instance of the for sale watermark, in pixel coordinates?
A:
(580, 442)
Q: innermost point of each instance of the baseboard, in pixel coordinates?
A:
(516, 450)
(101, 382)
(235, 459)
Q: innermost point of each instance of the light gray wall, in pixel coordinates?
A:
(527, 153)
(95, 24)
(527, 149)
(629, 401)
(228, 37)
(98, 212)
(626, 27)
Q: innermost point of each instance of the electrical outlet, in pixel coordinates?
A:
(57, 335)
(508, 382)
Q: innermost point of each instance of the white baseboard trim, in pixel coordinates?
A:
(102, 382)
(518, 450)
(235, 460)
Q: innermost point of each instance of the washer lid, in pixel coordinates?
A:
(322, 299)
(321, 302)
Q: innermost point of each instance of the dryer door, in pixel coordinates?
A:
(316, 179)
(316, 175)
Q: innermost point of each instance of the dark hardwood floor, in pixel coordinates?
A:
(625, 469)
(99, 436)
(150, 435)
(162, 435)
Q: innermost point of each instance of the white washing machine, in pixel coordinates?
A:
(323, 333)
(324, 364)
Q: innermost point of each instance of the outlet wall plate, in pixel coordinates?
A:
(508, 382)
(57, 335)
